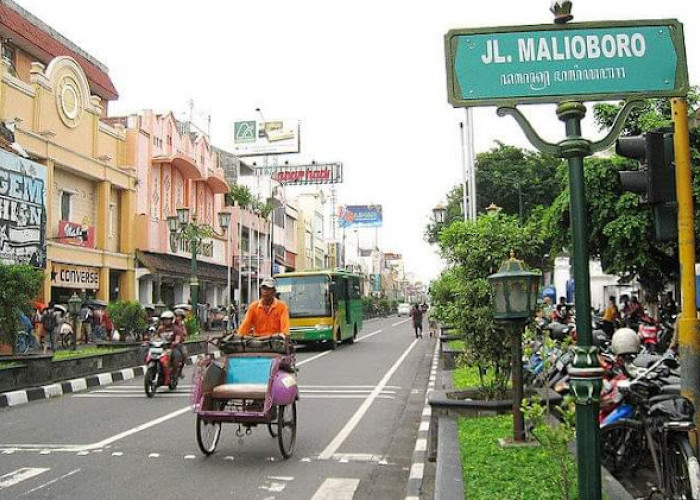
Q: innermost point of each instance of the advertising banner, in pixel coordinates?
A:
(392, 256)
(67, 276)
(328, 173)
(258, 138)
(72, 233)
(360, 216)
(22, 211)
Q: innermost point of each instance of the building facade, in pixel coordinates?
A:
(54, 97)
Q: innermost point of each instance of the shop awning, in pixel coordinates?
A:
(181, 162)
(173, 266)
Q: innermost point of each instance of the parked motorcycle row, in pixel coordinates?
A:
(644, 421)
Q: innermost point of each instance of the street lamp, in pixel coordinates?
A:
(74, 304)
(439, 214)
(514, 296)
(224, 222)
(181, 226)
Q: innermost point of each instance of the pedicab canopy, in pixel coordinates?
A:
(514, 291)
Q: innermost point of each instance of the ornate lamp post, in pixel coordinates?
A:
(181, 227)
(439, 214)
(74, 304)
(224, 222)
(514, 296)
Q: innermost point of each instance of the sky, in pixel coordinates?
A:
(366, 78)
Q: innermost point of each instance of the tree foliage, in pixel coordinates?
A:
(128, 317)
(20, 284)
(461, 295)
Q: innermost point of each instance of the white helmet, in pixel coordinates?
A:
(167, 315)
(625, 341)
(180, 312)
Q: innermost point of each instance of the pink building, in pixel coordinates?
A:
(176, 167)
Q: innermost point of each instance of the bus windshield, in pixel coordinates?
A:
(306, 296)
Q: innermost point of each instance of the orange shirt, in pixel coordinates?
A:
(275, 320)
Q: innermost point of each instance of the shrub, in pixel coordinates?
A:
(20, 284)
(128, 317)
(192, 326)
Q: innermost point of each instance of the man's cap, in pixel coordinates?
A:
(268, 282)
(179, 312)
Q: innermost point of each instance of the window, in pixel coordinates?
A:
(112, 218)
(9, 55)
(66, 202)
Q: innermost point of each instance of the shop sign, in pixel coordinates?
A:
(178, 244)
(66, 276)
(22, 211)
(72, 233)
(297, 175)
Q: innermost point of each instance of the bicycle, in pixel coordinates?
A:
(25, 342)
(653, 418)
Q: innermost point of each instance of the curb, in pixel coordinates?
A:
(24, 396)
(415, 477)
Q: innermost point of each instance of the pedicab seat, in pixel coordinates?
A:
(246, 378)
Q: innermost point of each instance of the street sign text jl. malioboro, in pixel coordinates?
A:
(553, 63)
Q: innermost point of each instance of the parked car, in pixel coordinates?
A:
(404, 309)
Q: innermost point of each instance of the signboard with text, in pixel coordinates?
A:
(72, 233)
(610, 60)
(67, 276)
(22, 211)
(360, 216)
(257, 138)
(326, 173)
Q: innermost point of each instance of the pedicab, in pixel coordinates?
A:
(254, 383)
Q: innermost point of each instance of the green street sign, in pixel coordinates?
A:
(609, 60)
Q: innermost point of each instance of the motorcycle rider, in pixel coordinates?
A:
(267, 316)
(175, 334)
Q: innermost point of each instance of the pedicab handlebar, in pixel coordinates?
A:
(234, 343)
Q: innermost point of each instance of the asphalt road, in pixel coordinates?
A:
(358, 418)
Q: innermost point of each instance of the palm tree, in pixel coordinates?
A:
(241, 195)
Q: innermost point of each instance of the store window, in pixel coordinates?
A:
(66, 205)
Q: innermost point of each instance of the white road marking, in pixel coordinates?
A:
(360, 339)
(335, 488)
(357, 457)
(400, 322)
(421, 444)
(416, 471)
(282, 478)
(313, 358)
(355, 419)
(154, 455)
(189, 457)
(75, 471)
(117, 454)
(19, 475)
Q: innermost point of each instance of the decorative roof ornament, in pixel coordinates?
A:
(562, 11)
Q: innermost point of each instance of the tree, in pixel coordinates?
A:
(20, 284)
(240, 194)
(461, 296)
(621, 231)
(517, 180)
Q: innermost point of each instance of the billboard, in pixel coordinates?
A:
(327, 173)
(72, 233)
(392, 256)
(22, 211)
(360, 216)
(257, 138)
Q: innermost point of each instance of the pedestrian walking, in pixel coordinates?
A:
(417, 316)
(432, 322)
(48, 321)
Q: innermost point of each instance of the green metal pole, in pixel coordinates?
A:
(585, 373)
(194, 282)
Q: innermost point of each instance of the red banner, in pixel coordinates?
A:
(72, 233)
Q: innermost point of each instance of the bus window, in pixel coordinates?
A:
(306, 296)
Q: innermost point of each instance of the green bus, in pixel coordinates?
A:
(324, 306)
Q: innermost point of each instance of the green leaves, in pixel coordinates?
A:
(20, 284)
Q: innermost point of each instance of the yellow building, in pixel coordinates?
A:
(54, 96)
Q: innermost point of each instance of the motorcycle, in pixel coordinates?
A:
(159, 369)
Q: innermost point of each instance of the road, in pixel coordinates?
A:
(358, 416)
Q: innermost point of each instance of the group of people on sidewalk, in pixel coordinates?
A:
(49, 324)
(418, 312)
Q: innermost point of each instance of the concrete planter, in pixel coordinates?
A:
(467, 403)
(449, 358)
(35, 371)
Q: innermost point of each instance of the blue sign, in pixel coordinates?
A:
(360, 216)
(552, 63)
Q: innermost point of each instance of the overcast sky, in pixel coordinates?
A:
(366, 78)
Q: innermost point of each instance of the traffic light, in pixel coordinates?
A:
(655, 179)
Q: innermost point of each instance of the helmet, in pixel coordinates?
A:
(179, 312)
(167, 315)
(625, 341)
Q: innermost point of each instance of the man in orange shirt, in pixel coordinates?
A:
(267, 316)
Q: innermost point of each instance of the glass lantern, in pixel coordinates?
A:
(514, 291)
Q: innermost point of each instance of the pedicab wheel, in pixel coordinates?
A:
(208, 433)
(287, 428)
(149, 382)
(272, 426)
